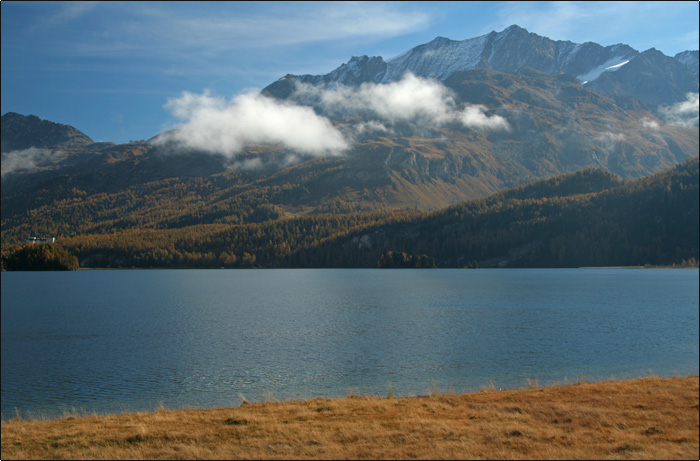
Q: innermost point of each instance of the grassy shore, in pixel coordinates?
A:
(646, 418)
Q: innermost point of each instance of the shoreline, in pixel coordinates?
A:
(354, 268)
(648, 417)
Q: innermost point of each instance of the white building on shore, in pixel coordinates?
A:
(33, 240)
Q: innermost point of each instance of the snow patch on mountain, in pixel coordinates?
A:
(647, 77)
(441, 57)
(609, 66)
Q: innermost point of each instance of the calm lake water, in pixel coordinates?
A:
(132, 340)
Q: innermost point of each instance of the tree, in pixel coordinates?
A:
(40, 257)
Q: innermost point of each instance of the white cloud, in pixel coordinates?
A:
(650, 124)
(372, 126)
(68, 11)
(609, 140)
(216, 125)
(26, 159)
(409, 99)
(425, 102)
(474, 117)
(250, 164)
(686, 113)
(214, 28)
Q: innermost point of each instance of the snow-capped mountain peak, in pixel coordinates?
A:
(514, 49)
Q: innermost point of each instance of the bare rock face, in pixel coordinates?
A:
(690, 60)
(22, 132)
(650, 76)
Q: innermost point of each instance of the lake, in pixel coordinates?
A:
(108, 341)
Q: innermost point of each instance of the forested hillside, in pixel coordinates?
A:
(595, 220)
(588, 218)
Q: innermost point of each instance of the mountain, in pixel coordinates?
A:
(689, 59)
(555, 125)
(588, 218)
(413, 143)
(652, 77)
(23, 132)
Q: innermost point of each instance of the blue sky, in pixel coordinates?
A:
(110, 68)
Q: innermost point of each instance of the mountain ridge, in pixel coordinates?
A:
(555, 126)
(508, 51)
(477, 132)
(20, 132)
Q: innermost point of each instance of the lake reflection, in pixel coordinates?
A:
(110, 341)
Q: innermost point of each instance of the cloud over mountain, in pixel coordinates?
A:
(216, 125)
(686, 113)
(414, 99)
(25, 159)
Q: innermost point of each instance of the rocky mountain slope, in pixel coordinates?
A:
(23, 132)
(650, 76)
(689, 59)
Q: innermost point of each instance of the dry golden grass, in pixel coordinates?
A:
(647, 418)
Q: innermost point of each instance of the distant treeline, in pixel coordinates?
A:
(587, 218)
(39, 257)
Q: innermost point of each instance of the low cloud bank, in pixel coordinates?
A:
(217, 125)
(424, 102)
(610, 140)
(648, 123)
(26, 159)
(685, 113)
(214, 124)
